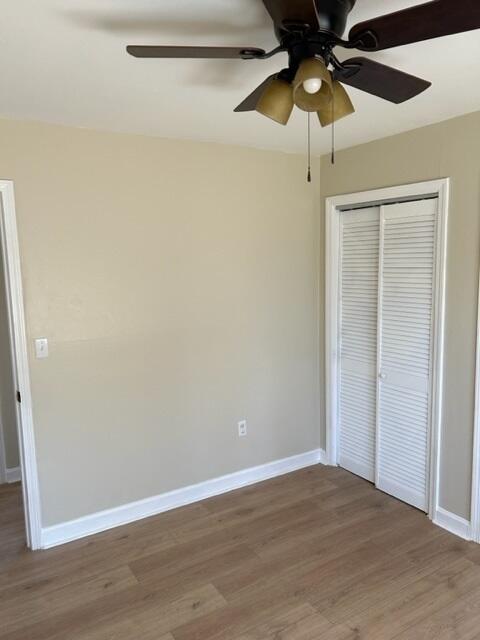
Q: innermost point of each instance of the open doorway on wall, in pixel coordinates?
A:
(12, 522)
(19, 495)
(12, 519)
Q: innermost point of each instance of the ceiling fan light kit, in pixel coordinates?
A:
(312, 70)
(276, 102)
(309, 30)
(340, 107)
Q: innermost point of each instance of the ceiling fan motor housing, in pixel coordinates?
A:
(303, 40)
(329, 16)
(333, 15)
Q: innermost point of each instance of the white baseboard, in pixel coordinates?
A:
(103, 520)
(13, 475)
(475, 534)
(453, 523)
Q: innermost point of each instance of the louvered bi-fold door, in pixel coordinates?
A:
(358, 340)
(406, 279)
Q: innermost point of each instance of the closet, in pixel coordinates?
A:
(386, 285)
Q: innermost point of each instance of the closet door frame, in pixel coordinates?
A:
(333, 209)
(475, 506)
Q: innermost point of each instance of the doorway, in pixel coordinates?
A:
(9, 451)
(384, 299)
(16, 372)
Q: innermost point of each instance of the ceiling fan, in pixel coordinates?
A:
(309, 31)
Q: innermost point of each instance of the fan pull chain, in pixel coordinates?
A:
(309, 171)
(332, 160)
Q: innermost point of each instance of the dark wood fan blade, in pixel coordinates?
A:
(423, 22)
(139, 51)
(379, 80)
(292, 11)
(250, 103)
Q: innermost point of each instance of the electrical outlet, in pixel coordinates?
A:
(242, 429)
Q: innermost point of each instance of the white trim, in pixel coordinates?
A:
(332, 274)
(334, 205)
(103, 520)
(3, 460)
(435, 434)
(13, 475)
(28, 463)
(453, 523)
(475, 508)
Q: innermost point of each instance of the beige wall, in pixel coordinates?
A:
(177, 284)
(8, 417)
(449, 149)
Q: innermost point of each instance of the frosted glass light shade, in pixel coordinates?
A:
(312, 69)
(340, 108)
(276, 101)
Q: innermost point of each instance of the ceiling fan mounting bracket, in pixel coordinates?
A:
(299, 45)
(366, 41)
(347, 70)
(256, 54)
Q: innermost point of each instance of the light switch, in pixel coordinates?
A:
(41, 348)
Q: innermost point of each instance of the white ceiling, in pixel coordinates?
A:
(65, 62)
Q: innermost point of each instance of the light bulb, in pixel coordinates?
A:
(312, 85)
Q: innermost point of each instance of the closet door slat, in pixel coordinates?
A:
(405, 304)
(358, 341)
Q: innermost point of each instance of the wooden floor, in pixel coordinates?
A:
(315, 555)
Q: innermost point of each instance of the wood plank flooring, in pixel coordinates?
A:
(314, 555)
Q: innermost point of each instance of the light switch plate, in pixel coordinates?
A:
(41, 348)
(242, 428)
